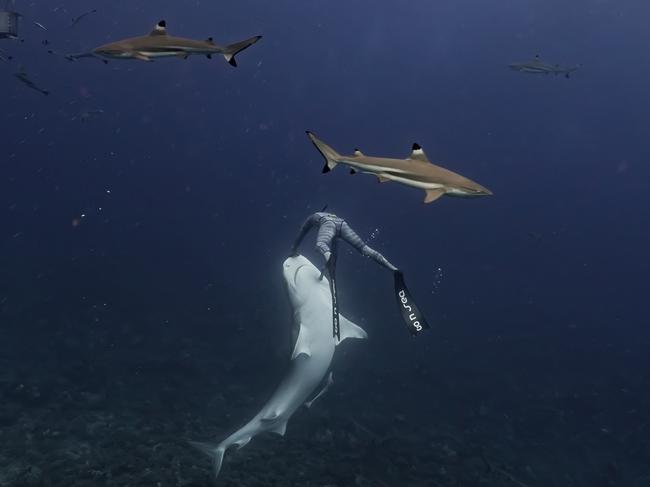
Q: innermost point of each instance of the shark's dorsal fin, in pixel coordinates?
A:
(417, 154)
(302, 344)
(357, 153)
(160, 29)
(350, 330)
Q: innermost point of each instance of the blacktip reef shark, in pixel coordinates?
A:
(310, 361)
(537, 66)
(416, 171)
(159, 44)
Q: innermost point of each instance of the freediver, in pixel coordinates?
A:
(331, 228)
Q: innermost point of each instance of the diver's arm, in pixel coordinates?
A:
(377, 257)
(304, 230)
(351, 237)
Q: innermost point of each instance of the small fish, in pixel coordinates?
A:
(78, 19)
(22, 77)
(39, 25)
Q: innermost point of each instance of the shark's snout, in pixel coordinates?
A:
(483, 192)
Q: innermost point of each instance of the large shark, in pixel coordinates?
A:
(159, 44)
(537, 66)
(416, 170)
(312, 355)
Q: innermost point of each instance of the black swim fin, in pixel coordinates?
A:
(411, 314)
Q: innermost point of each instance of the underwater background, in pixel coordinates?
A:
(146, 210)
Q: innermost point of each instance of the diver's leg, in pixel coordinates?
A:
(325, 238)
(326, 244)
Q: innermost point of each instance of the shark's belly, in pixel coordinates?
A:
(160, 54)
(369, 168)
(411, 182)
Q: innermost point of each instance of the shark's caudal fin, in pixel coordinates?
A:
(329, 154)
(231, 50)
(215, 452)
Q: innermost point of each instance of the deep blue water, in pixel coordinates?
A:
(195, 179)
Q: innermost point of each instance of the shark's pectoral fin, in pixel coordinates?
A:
(350, 330)
(433, 195)
(382, 178)
(302, 344)
(325, 388)
(141, 56)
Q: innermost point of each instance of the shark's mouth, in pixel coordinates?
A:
(295, 275)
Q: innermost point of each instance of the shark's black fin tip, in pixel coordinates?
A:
(326, 169)
(162, 23)
(416, 146)
(232, 62)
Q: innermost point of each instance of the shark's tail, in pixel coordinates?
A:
(568, 72)
(215, 452)
(230, 50)
(329, 154)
